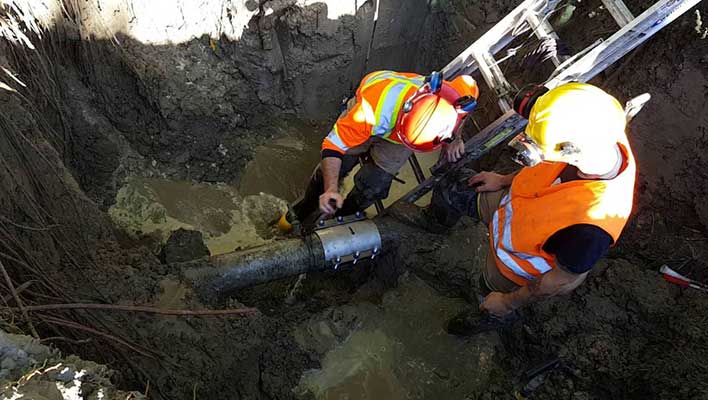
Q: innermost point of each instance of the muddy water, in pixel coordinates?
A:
(395, 350)
(283, 166)
(238, 217)
(228, 220)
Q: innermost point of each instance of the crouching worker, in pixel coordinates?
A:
(551, 221)
(392, 115)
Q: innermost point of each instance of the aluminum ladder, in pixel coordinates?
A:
(533, 15)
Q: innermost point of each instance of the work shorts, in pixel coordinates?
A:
(487, 204)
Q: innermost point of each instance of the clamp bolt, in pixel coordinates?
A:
(322, 222)
(358, 214)
(340, 218)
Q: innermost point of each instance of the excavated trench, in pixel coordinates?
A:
(124, 121)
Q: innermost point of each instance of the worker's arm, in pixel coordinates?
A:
(351, 129)
(557, 281)
(330, 172)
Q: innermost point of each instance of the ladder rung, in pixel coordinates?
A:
(619, 11)
(494, 77)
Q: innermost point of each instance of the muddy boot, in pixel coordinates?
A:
(472, 322)
(289, 222)
(453, 198)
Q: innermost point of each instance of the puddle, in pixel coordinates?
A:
(398, 350)
(238, 217)
(228, 220)
(282, 166)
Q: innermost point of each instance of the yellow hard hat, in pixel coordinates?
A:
(575, 113)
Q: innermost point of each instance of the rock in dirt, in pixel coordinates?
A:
(184, 245)
(30, 370)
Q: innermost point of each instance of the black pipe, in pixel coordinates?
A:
(219, 276)
(226, 273)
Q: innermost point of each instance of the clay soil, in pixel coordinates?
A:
(103, 113)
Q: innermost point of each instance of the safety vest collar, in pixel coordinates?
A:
(550, 171)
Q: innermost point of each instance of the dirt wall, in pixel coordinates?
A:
(115, 105)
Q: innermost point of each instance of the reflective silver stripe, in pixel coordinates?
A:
(386, 111)
(503, 255)
(538, 262)
(382, 75)
(377, 76)
(336, 140)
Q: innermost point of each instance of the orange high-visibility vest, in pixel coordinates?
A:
(535, 209)
(379, 99)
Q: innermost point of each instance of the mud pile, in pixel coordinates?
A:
(119, 98)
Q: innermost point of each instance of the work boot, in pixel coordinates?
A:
(472, 322)
(288, 222)
(453, 198)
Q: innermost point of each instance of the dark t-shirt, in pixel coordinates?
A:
(578, 247)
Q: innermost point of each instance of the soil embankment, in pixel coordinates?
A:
(119, 100)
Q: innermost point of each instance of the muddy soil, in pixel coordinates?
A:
(102, 122)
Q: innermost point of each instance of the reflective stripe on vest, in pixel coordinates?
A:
(390, 101)
(336, 140)
(377, 77)
(506, 251)
(390, 104)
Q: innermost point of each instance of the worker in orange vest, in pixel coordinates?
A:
(554, 219)
(392, 115)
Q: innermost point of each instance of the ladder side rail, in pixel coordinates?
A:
(498, 36)
(595, 61)
(480, 144)
(623, 41)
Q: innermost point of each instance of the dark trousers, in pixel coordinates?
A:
(371, 183)
(453, 198)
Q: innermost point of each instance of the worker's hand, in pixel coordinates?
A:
(328, 198)
(486, 181)
(496, 304)
(454, 150)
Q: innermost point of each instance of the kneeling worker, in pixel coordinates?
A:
(392, 115)
(555, 218)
